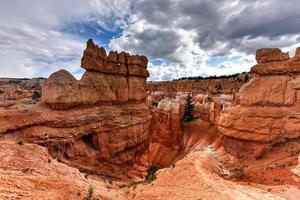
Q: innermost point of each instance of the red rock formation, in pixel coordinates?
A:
(108, 138)
(13, 90)
(227, 85)
(170, 138)
(101, 124)
(114, 79)
(268, 105)
(28, 172)
(197, 176)
(256, 128)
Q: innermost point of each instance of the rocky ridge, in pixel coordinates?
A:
(102, 125)
(99, 123)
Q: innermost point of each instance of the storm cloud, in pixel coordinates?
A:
(181, 38)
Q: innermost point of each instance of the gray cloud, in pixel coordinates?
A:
(230, 22)
(182, 34)
(33, 36)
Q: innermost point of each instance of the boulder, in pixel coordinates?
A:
(61, 90)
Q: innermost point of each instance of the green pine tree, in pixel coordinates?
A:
(188, 109)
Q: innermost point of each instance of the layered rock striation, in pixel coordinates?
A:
(109, 79)
(268, 107)
(99, 123)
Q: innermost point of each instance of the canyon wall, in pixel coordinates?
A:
(268, 107)
(255, 130)
(170, 137)
(14, 90)
(227, 85)
(99, 123)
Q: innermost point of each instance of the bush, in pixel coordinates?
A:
(188, 109)
(151, 173)
(210, 98)
(36, 95)
(238, 172)
(20, 142)
(89, 195)
(82, 170)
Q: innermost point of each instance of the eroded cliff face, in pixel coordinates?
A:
(254, 130)
(170, 138)
(14, 91)
(28, 172)
(113, 79)
(108, 138)
(268, 106)
(107, 126)
(227, 85)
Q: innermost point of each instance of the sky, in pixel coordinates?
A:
(180, 37)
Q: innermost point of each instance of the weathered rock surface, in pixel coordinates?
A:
(273, 61)
(268, 109)
(102, 139)
(224, 85)
(113, 79)
(102, 125)
(13, 91)
(270, 55)
(107, 138)
(296, 170)
(197, 176)
(170, 138)
(28, 172)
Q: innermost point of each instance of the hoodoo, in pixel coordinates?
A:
(106, 130)
(107, 138)
(113, 79)
(268, 107)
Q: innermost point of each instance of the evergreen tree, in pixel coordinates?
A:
(188, 109)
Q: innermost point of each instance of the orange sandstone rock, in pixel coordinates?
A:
(268, 105)
(114, 79)
(270, 55)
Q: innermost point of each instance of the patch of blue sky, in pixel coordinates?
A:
(157, 62)
(217, 60)
(94, 30)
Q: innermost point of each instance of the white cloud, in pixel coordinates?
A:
(39, 37)
(32, 37)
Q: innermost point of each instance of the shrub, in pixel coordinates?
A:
(154, 103)
(151, 173)
(238, 172)
(210, 98)
(20, 142)
(36, 95)
(218, 89)
(82, 170)
(89, 195)
(188, 109)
